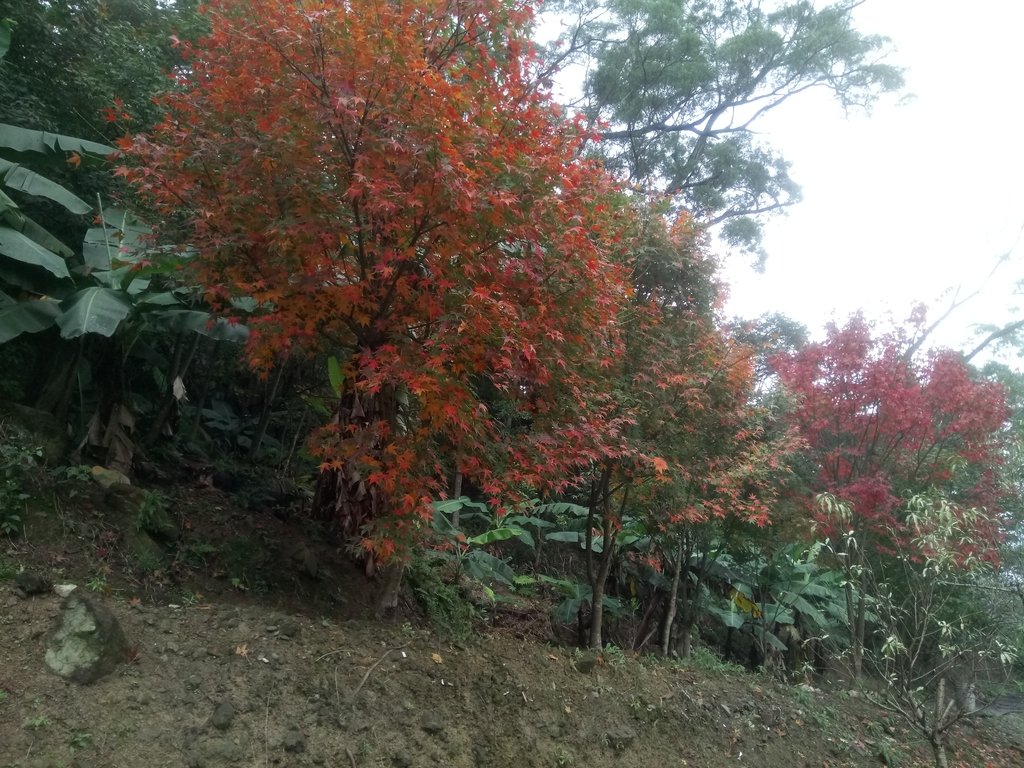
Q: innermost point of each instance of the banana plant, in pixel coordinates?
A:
(119, 285)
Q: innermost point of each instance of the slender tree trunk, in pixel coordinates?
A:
(204, 390)
(607, 558)
(939, 751)
(55, 396)
(268, 407)
(858, 646)
(673, 597)
(178, 369)
(456, 494)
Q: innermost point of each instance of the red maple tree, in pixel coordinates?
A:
(389, 185)
(883, 427)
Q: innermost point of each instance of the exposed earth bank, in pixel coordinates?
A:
(246, 643)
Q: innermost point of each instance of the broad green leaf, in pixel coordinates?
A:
(334, 374)
(5, 36)
(199, 322)
(32, 279)
(112, 278)
(14, 218)
(731, 619)
(28, 140)
(571, 537)
(493, 535)
(486, 567)
(529, 520)
(565, 612)
(15, 245)
(99, 248)
(560, 508)
(93, 310)
(576, 537)
(162, 299)
(21, 178)
(27, 317)
(774, 642)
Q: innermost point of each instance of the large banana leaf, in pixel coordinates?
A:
(27, 317)
(21, 178)
(28, 140)
(181, 320)
(12, 217)
(5, 36)
(122, 236)
(93, 310)
(15, 245)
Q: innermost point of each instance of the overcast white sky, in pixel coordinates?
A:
(915, 199)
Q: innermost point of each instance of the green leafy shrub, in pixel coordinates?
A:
(450, 613)
(18, 467)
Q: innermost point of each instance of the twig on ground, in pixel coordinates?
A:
(351, 757)
(376, 664)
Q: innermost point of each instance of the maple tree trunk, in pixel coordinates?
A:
(600, 581)
(670, 614)
(268, 406)
(342, 495)
(387, 599)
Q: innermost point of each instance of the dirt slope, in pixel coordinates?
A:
(295, 676)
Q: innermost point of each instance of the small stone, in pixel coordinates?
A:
(222, 749)
(294, 741)
(105, 478)
(170, 647)
(586, 663)
(222, 716)
(290, 629)
(620, 737)
(31, 583)
(200, 653)
(432, 724)
(63, 590)
(271, 628)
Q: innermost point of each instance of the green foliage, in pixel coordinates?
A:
(153, 516)
(682, 86)
(245, 558)
(705, 659)
(8, 569)
(449, 612)
(18, 469)
(67, 62)
(37, 723)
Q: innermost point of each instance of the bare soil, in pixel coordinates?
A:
(252, 645)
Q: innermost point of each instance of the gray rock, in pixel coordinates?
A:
(620, 737)
(88, 642)
(222, 716)
(587, 662)
(289, 628)
(31, 583)
(294, 741)
(220, 749)
(432, 724)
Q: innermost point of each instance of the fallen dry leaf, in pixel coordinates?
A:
(437, 658)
